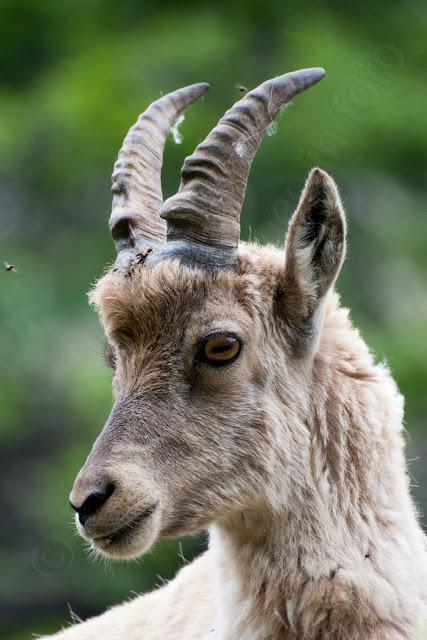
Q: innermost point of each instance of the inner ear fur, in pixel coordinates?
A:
(314, 253)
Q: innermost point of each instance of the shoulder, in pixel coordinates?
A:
(183, 608)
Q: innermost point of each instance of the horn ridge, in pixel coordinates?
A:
(206, 209)
(136, 184)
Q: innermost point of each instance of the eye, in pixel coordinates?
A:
(219, 349)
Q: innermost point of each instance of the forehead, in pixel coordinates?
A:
(170, 296)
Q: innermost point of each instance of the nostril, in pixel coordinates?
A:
(91, 505)
(93, 502)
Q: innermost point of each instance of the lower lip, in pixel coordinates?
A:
(123, 532)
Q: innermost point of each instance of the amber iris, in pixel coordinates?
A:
(221, 349)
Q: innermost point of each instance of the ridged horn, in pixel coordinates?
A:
(137, 191)
(206, 208)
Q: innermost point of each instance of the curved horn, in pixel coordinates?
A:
(206, 209)
(137, 191)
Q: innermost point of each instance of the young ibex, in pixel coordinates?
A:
(245, 403)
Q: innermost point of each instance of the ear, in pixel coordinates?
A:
(314, 253)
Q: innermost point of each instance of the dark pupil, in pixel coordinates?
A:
(224, 346)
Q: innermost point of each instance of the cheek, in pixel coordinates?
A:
(228, 385)
(234, 423)
(259, 369)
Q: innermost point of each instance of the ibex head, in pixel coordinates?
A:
(210, 341)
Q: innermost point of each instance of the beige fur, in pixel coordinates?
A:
(292, 456)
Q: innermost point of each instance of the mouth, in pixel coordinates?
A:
(126, 532)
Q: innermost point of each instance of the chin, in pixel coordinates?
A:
(130, 541)
(187, 525)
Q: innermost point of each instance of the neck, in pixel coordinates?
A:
(301, 566)
(263, 562)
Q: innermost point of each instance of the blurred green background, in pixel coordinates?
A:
(73, 77)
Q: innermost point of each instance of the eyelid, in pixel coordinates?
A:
(220, 334)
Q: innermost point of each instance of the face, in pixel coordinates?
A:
(187, 438)
(211, 383)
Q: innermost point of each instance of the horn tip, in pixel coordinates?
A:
(198, 89)
(283, 88)
(315, 73)
(296, 80)
(307, 77)
(192, 92)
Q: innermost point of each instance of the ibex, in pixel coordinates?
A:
(247, 404)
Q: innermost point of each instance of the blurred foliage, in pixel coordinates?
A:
(73, 77)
